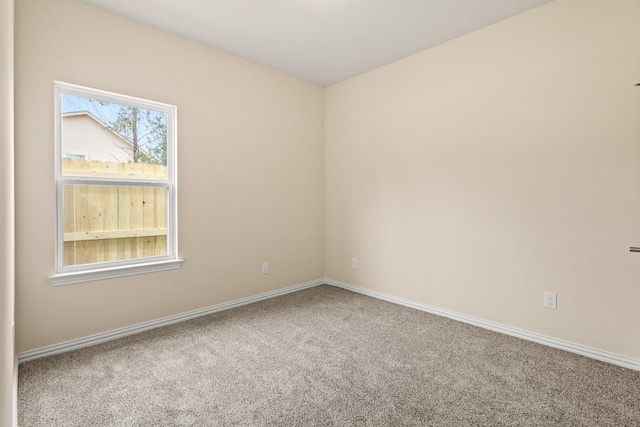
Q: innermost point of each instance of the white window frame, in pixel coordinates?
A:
(101, 270)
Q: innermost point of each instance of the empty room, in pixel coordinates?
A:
(320, 212)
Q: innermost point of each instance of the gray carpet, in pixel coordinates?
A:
(324, 356)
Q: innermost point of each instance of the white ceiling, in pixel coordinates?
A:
(322, 41)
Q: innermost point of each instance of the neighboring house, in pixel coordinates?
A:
(84, 136)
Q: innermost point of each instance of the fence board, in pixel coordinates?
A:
(161, 219)
(111, 235)
(149, 219)
(137, 243)
(68, 198)
(104, 223)
(110, 246)
(81, 222)
(96, 220)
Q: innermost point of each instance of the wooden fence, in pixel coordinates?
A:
(114, 222)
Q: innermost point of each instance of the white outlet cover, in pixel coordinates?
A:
(354, 262)
(265, 268)
(550, 300)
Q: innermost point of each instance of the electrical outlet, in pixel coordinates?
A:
(354, 262)
(550, 300)
(265, 268)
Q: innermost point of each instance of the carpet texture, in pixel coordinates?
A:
(324, 357)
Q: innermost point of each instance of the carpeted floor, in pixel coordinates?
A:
(324, 356)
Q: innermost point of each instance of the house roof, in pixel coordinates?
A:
(100, 122)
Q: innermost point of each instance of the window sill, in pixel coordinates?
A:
(107, 273)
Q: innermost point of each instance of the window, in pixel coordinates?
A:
(115, 185)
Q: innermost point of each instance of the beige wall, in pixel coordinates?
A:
(476, 175)
(250, 170)
(8, 361)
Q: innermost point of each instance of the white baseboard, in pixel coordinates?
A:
(594, 353)
(141, 327)
(604, 356)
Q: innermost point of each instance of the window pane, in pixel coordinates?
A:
(109, 223)
(126, 140)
